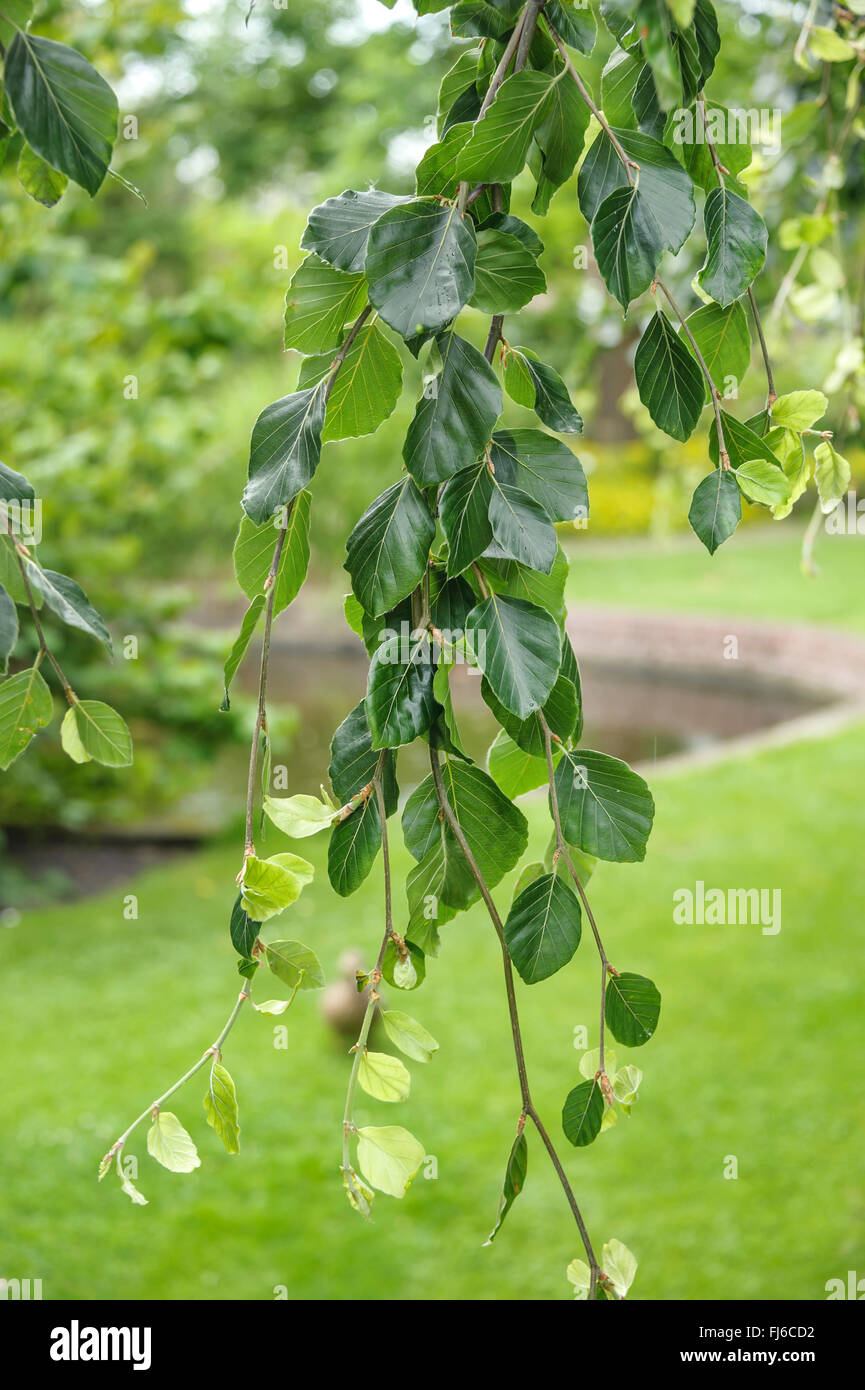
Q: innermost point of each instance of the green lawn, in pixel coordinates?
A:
(756, 574)
(758, 1055)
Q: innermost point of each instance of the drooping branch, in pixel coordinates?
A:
(528, 1108)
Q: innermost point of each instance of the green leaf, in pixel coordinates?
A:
(743, 444)
(514, 226)
(389, 1158)
(69, 601)
(686, 134)
(516, 581)
(499, 144)
(716, 508)
(384, 1077)
(220, 1107)
(518, 648)
(298, 816)
(506, 274)
(573, 22)
(169, 1143)
(25, 707)
(455, 416)
(270, 885)
(669, 380)
(255, 547)
(436, 175)
(354, 844)
(388, 549)
(723, 339)
(295, 964)
(606, 808)
(543, 467)
(799, 410)
(522, 531)
(242, 929)
(354, 760)
(543, 927)
(338, 229)
(241, 642)
(399, 697)
(513, 769)
(404, 969)
(44, 184)
(737, 240)
(318, 303)
(631, 1008)
(8, 628)
(477, 804)
(829, 46)
(619, 1265)
(408, 1035)
(480, 18)
(583, 1113)
(831, 474)
(763, 482)
(14, 487)
(532, 383)
(443, 872)
(366, 389)
(464, 514)
(93, 730)
(420, 265)
(284, 452)
(442, 692)
(559, 142)
(515, 1181)
(560, 712)
(65, 110)
(626, 242)
(666, 211)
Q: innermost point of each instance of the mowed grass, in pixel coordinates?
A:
(757, 574)
(757, 1057)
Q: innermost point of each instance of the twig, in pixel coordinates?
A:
(528, 1108)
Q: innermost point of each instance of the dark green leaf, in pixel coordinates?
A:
(627, 242)
(669, 380)
(737, 238)
(574, 23)
(560, 712)
(522, 530)
(606, 808)
(14, 487)
(514, 226)
(583, 1113)
(284, 452)
(506, 274)
(399, 696)
(68, 600)
(532, 383)
(241, 642)
(515, 1181)
(543, 467)
(631, 1008)
(716, 508)
(464, 513)
(499, 144)
(353, 761)
(478, 804)
(8, 628)
(517, 581)
(242, 930)
(455, 416)
(388, 549)
(543, 927)
(420, 265)
(518, 648)
(481, 19)
(354, 844)
(65, 110)
(338, 229)
(666, 191)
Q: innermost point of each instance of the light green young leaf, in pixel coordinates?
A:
(389, 1158)
(270, 885)
(763, 482)
(298, 816)
(832, 474)
(254, 550)
(220, 1107)
(295, 964)
(366, 389)
(626, 1084)
(36, 176)
(8, 628)
(619, 1265)
(408, 1035)
(799, 410)
(170, 1144)
(590, 1062)
(580, 1276)
(384, 1077)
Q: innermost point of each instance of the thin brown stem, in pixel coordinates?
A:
(596, 111)
(528, 1107)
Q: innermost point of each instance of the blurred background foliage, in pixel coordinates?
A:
(139, 341)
